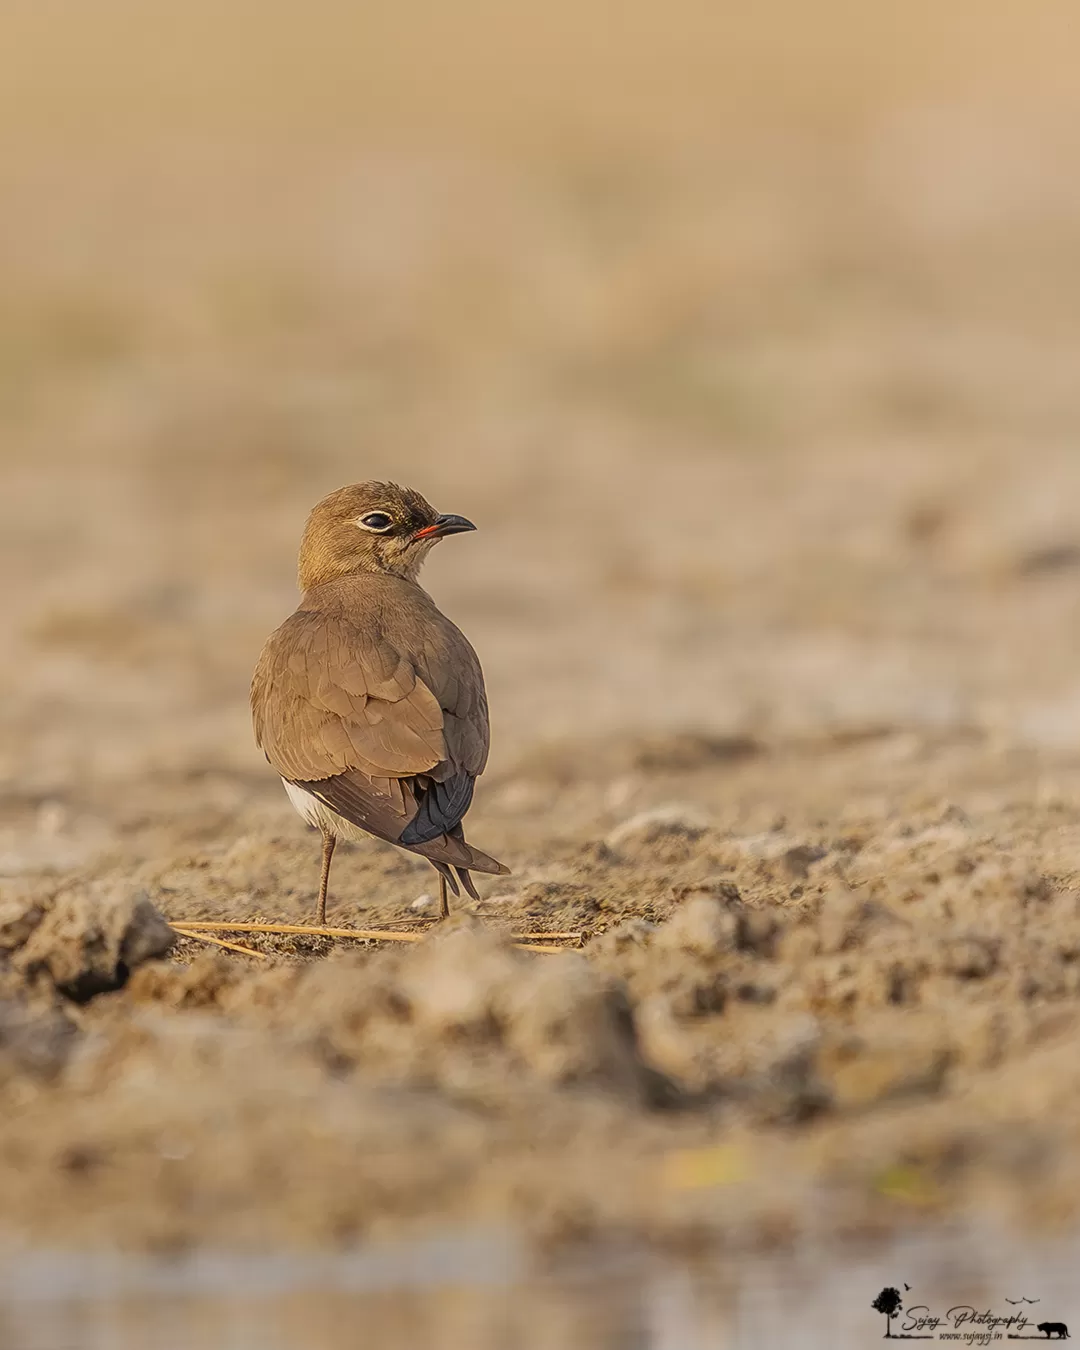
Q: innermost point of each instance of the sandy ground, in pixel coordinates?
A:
(772, 446)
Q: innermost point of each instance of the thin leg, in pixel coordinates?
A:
(329, 843)
(444, 898)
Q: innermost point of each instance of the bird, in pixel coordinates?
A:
(368, 701)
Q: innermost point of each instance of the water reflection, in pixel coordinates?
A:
(480, 1292)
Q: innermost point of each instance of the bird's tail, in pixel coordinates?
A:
(460, 855)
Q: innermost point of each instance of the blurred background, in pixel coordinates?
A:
(749, 337)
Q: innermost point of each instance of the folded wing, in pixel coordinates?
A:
(392, 743)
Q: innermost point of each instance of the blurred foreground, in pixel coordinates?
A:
(475, 1291)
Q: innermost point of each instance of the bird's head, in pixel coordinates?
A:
(371, 527)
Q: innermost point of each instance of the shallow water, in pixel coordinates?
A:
(480, 1292)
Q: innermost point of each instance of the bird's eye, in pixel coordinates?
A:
(376, 521)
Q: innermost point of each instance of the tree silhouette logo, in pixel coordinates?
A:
(888, 1303)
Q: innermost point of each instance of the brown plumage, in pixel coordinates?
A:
(368, 701)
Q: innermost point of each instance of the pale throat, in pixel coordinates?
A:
(408, 563)
(318, 567)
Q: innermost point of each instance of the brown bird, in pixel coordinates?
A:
(368, 701)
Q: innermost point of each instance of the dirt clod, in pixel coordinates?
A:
(87, 941)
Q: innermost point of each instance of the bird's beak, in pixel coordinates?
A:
(445, 525)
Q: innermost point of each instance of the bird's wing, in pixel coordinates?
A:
(448, 666)
(389, 741)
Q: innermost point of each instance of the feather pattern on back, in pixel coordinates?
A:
(370, 699)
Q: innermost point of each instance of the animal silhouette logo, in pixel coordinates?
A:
(1057, 1330)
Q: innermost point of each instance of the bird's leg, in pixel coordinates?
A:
(444, 898)
(329, 842)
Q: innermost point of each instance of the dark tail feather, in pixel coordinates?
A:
(442, 806)
(443, 870)
(452, 849)
(467, 881)
(478, 861)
